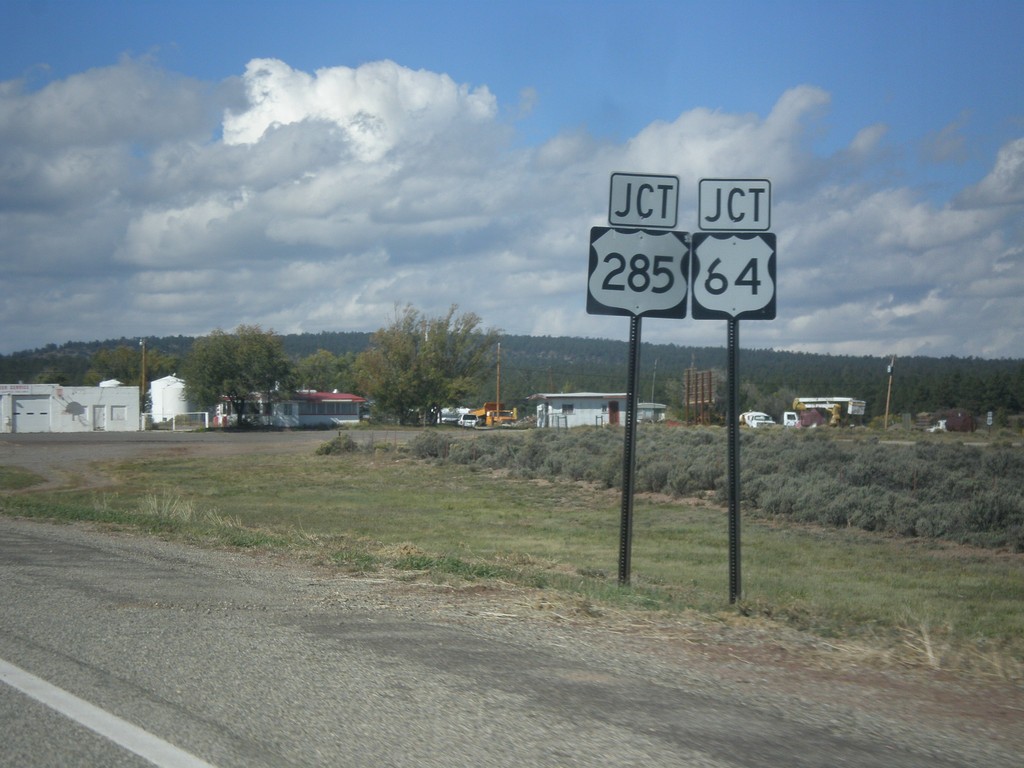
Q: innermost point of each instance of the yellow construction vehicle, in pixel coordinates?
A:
(495, 415)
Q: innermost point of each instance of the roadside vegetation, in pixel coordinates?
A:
(16, 479)
(899, 554)
(938, 489)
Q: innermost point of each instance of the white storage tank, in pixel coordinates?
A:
(167, 396)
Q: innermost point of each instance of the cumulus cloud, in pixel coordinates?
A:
(1004, 185)
(377, 107)
(132, 102)
(706, 143)
(134, 201)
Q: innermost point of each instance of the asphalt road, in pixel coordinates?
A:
(230, 659)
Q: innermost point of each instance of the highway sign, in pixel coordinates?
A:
(643, 200)
(734, 205)
(733, 276)
(638, 272)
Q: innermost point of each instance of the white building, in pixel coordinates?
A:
(579, 409)
(651, 411)
(56, 408)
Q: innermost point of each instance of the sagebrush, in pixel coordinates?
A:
(964, 493)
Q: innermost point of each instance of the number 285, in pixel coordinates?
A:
(639, 273)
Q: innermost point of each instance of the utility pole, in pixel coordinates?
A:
(142, 389)
(888, 394)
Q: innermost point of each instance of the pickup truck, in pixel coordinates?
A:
(754, 419)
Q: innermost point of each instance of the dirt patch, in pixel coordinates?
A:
(68, 461)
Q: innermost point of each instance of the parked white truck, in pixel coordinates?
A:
(754, 419)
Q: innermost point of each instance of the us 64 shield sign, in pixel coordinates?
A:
(734, 276)
(638, 272)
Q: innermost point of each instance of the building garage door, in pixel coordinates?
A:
(31, 413)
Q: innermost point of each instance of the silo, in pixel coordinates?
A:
(167, 396)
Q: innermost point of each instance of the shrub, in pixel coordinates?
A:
(431, 444)
(343, 443)
(653, 476)
(951, 491)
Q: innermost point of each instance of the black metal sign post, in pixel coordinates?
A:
(629, 453)
(733, 414)
(733, 277)
(636, 272)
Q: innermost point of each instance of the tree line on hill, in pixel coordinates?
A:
(526, 365)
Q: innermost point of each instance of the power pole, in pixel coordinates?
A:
(142, 390)
(888, 394)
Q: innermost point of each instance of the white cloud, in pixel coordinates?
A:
(706, 144)
(868, 139)
(179, 237)
(333, 196)
(1004, 185)
(132, 101)
(377, 107)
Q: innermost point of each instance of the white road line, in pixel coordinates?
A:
(111, 727)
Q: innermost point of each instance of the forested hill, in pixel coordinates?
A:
(529, 364)
(769, 380)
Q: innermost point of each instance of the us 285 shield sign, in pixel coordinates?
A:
(638, 272)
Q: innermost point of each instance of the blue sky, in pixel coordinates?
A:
(893, 133)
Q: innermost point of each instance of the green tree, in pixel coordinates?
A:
(52, 375)
(124, 363)
(456, 353)
(324, 371)
(245, 367)
(417, 365)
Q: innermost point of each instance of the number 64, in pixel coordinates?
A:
(716, 283)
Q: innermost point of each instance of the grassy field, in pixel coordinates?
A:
(907, 601)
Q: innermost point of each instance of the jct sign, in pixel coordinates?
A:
(734, 205)
(643, 200)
